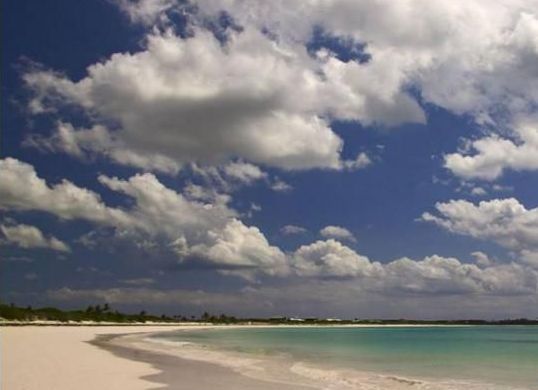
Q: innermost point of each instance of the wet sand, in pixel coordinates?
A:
(175, 373)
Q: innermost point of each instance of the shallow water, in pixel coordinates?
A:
(478, 356)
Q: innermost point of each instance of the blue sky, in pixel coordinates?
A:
(400, 148)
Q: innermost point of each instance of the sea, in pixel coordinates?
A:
(438, 357)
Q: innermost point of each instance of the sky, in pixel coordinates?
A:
(339, 158)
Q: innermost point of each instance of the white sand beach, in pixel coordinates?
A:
(60, 358)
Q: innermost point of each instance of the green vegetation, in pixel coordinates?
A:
(95, 313)
(104, 313)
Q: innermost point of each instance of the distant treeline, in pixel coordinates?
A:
(97, 313)
(403, 321)
(104, 313)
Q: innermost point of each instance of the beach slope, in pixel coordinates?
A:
(61, 358)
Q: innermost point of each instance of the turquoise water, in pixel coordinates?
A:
(506, 355)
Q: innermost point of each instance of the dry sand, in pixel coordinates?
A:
(60, 358)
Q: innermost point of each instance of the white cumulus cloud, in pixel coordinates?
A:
(196, 100)
(208, 231)
(492, 155)
(27, 236)
(21, 189)
(337, 232)
(331, 259)
(505, 221)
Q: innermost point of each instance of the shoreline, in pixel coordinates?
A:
(108, 357)
(267, 371)
(119, 357)
(253, 371)
(181, 373)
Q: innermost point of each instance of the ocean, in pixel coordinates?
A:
(473, 357)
